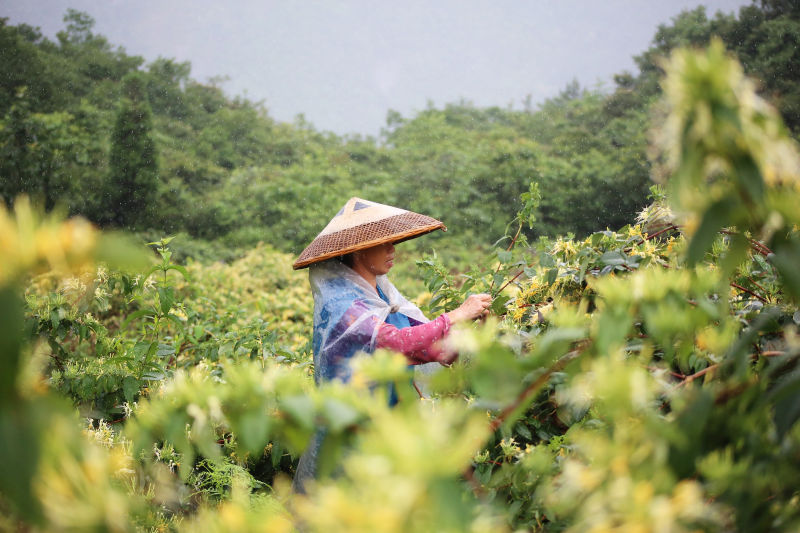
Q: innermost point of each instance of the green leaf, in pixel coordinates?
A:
(166, 296)
(153, 270)
(613, 258)
(226, 349)
(498, 280)
(499, 304)
(174, 319)
(182, 270)
(130, 387)
(546, 260)
(276, 453)
(142, 349)
(523, 430)
(136, 314)
(164, 350)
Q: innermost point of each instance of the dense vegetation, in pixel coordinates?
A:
(639, 379)
(69, 124)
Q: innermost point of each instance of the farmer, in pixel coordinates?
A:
(356, 307)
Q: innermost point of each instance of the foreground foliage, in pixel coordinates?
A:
(644, 378)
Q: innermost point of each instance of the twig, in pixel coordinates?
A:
(656, 234)
(756, 284)
(673, 374)
(748, 291)
(565, 359)
(759, 246)
(514, 240)
(511, 245)
(696, 375)
(689, 379)
(538, 382)
(507, 283)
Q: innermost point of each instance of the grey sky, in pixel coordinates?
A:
(344, 64)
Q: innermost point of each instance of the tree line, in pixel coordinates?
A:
(131, 144)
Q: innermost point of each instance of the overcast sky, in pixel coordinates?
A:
(344, 64)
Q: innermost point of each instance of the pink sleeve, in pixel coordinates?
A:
(417, 343)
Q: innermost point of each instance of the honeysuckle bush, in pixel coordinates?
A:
(113, 335)
(643, 379)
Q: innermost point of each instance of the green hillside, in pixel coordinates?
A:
(127, 143)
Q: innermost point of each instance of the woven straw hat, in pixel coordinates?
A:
(362, 224)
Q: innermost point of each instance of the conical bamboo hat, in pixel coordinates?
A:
(362, 224)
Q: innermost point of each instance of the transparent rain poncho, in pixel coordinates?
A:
(347, 315)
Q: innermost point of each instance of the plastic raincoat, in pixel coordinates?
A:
(350, 317)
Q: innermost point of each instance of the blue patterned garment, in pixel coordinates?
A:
(400, 321)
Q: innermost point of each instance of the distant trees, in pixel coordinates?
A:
(133, 167)
(87, 126)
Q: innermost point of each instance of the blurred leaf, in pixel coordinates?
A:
(253, 431)
(787, 260)
(339, 415)
(11, 329)
(19, 449)
(301, 409)
(122, 251)
(787, 406)
(715, 218)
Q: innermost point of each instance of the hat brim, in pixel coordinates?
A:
(394, 229)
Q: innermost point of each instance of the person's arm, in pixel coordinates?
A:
(418, 343)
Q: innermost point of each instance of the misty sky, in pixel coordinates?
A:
(344, 64)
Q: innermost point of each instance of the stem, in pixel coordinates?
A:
(514, 240)
(696, 375)
(656, 234)
(507, 283)
(689, 379)
(756, 284)
(748, 291)
(523, 396)
(565, 359)
(757, 245)
(510, 246)
(673, 374)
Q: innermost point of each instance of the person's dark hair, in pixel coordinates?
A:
(347, 259)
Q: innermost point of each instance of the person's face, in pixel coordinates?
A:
(378, 260)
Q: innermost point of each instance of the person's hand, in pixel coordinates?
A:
(475, 306)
